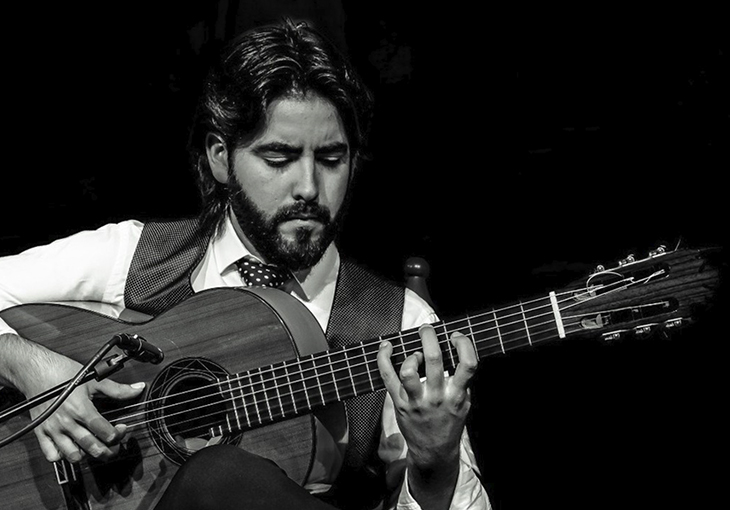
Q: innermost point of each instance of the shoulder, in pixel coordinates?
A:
(110, 234)
(357, 272)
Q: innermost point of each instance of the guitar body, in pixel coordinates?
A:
(210, 335)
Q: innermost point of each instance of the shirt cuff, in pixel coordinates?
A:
(468, 495)
(5, 329)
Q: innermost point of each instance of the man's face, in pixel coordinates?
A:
(288, 185)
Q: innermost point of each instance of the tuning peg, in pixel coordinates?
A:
(613, 335)
(628, 260)
(673, 323)
(643, 330)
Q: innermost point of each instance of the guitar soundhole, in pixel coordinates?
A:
(185, 403)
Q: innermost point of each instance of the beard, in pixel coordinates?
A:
(304, 251)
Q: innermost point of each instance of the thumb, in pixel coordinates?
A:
(119, 391)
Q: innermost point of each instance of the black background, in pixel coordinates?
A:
(513, 150)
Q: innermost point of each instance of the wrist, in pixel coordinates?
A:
(432, 481)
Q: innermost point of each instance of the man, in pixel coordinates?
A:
(279, 133)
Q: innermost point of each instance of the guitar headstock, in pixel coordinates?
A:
(638, 296)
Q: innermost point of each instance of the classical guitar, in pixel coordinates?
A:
(251, 367)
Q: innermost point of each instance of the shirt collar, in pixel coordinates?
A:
(227, 248)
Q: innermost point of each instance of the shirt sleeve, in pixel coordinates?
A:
(91, 265)
(469, 493)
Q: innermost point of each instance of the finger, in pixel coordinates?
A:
(432, 356)
(98, 425)
(468, 362)
(67, 447)
(48, 448)
(409, 377)
(92, 445)
(117, 390)
(387, 372)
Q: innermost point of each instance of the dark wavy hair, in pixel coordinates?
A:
(261, 65)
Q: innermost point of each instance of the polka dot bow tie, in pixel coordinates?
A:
(262, 275)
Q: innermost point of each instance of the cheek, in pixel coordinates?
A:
(337, 191)
(261, 185)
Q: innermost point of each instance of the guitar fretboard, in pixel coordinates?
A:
(286, 389)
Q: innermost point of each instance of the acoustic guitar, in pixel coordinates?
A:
(250, 367)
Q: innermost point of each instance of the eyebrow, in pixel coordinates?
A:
(285, 148)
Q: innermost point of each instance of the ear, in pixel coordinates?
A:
(215, 149)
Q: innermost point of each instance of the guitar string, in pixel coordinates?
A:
(262, 382)
(334, 382)
(146, 441)
(443, 325)
(300, 403)
(354, 358)
(316, 376)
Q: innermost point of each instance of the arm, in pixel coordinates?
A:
(427, 427)
(88, 266)
(431, 415)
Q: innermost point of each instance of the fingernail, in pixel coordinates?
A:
(137, 385)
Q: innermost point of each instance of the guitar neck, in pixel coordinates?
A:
(282, 390)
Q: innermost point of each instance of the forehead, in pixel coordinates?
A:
(309, 120)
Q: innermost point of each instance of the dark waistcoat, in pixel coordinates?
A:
(365, 307)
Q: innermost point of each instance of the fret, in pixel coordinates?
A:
(462, 326)
(490, 341)
(370, 351)
(524, 319)
(365, 367)
(264, 394)
(539, 320)
(403, 347)
(472, 336)
(291, 389)
(305, 368)
(325, 378)
(243, 400)
(511, 327)
(235, 407)
(334, 382)
(228, 422)
(298, 385)
(349, 371)
(255, 391)
(447, 350)
(276, 371)
(341, 374)
(499, 333)
(317, 380)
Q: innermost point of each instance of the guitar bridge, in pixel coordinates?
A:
(65, 472)
(71, 484)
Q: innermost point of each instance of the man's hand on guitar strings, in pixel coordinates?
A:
(431, 413)
(76, 428)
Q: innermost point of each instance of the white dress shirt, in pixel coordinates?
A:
(93, 266)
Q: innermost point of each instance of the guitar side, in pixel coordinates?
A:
(213, 332)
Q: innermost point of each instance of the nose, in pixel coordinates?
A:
(306, 182)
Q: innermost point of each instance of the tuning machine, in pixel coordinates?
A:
(643, 330)
(674, 323)
(599, 269)
(613, 335)
(628, 260)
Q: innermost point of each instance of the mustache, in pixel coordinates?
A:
(303, 210)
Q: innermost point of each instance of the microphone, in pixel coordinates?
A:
(138, 348)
